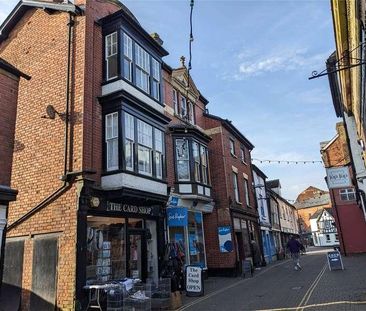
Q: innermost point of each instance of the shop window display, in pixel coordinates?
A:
(106, 258)
(190, 239)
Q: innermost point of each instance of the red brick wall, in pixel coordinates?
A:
(8, 109)
(38, 46)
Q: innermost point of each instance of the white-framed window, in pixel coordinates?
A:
(111, 139)
(127, 57)
(196, 157)
(111, 55)
(129, 141)
(191, 117)
(347, 194)
(182, 156)
(242, 155)
(183, 107)
(142, 59)
(236, 188)
(204, 165)
(159, 141)
(175, 102)
(155, 91)
(144, 138)
(246, 191)
(232, 146)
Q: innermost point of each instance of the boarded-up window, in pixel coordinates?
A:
(44, 275)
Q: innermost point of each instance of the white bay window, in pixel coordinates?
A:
(129, 141)
(144, 134)
(182, 156)
(155, 91)
(142, 59)
(111, 55)
(127, 57)
(111, 139)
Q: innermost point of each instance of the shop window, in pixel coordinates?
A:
(195, 239)
(347, 194)
(106, 257)
(111, 55)
(111, 139)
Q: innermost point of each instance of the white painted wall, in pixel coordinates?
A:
(260, 191)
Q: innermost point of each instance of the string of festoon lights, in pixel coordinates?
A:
(287, 161)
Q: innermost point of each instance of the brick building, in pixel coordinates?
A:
(347, 202)
(188, 166)
(232, 231)
(86, 183)
(9, 83)
(307, 203)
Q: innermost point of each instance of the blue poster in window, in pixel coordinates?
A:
(198, 217)
(225, 241)
(179, 237)
(177, 216)
(192, 244)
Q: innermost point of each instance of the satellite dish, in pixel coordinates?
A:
(51, 111)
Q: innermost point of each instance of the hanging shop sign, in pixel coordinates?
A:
(225, 240)
(338, 177)
(177, 216)
(133, 209)
(194, 282)
(335, 261)
(173, 201)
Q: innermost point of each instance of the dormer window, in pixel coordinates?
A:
(111, 55)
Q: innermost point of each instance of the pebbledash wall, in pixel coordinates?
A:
(37, 44)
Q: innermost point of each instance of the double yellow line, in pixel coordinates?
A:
(310, 290)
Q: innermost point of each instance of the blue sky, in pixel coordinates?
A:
(251, 60)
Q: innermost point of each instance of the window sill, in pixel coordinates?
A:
(233, 155)
(243, 162)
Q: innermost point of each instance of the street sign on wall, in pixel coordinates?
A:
(338, 177)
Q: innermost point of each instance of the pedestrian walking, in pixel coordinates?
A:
(294, 246)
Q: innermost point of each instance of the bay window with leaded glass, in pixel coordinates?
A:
(140, 150)
(192, 168)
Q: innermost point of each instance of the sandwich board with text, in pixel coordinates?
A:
(335, 261)
(194, 281)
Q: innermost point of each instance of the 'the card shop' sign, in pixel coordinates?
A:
(338, 177)
(127, 208)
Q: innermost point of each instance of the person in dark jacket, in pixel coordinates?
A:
(294, 246)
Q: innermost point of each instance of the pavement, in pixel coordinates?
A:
(279, 287)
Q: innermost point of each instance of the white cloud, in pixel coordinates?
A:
(283, 60)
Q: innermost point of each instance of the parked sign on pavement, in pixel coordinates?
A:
(335, 260)
(194, 282)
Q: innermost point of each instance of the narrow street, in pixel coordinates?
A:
(279, 287)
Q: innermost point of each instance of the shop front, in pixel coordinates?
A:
(246, 239)
(123, 237)
(185, 228)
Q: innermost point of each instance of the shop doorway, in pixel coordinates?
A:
(137, 254)
(240, 246)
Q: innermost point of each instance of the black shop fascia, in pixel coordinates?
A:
(120, 234)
